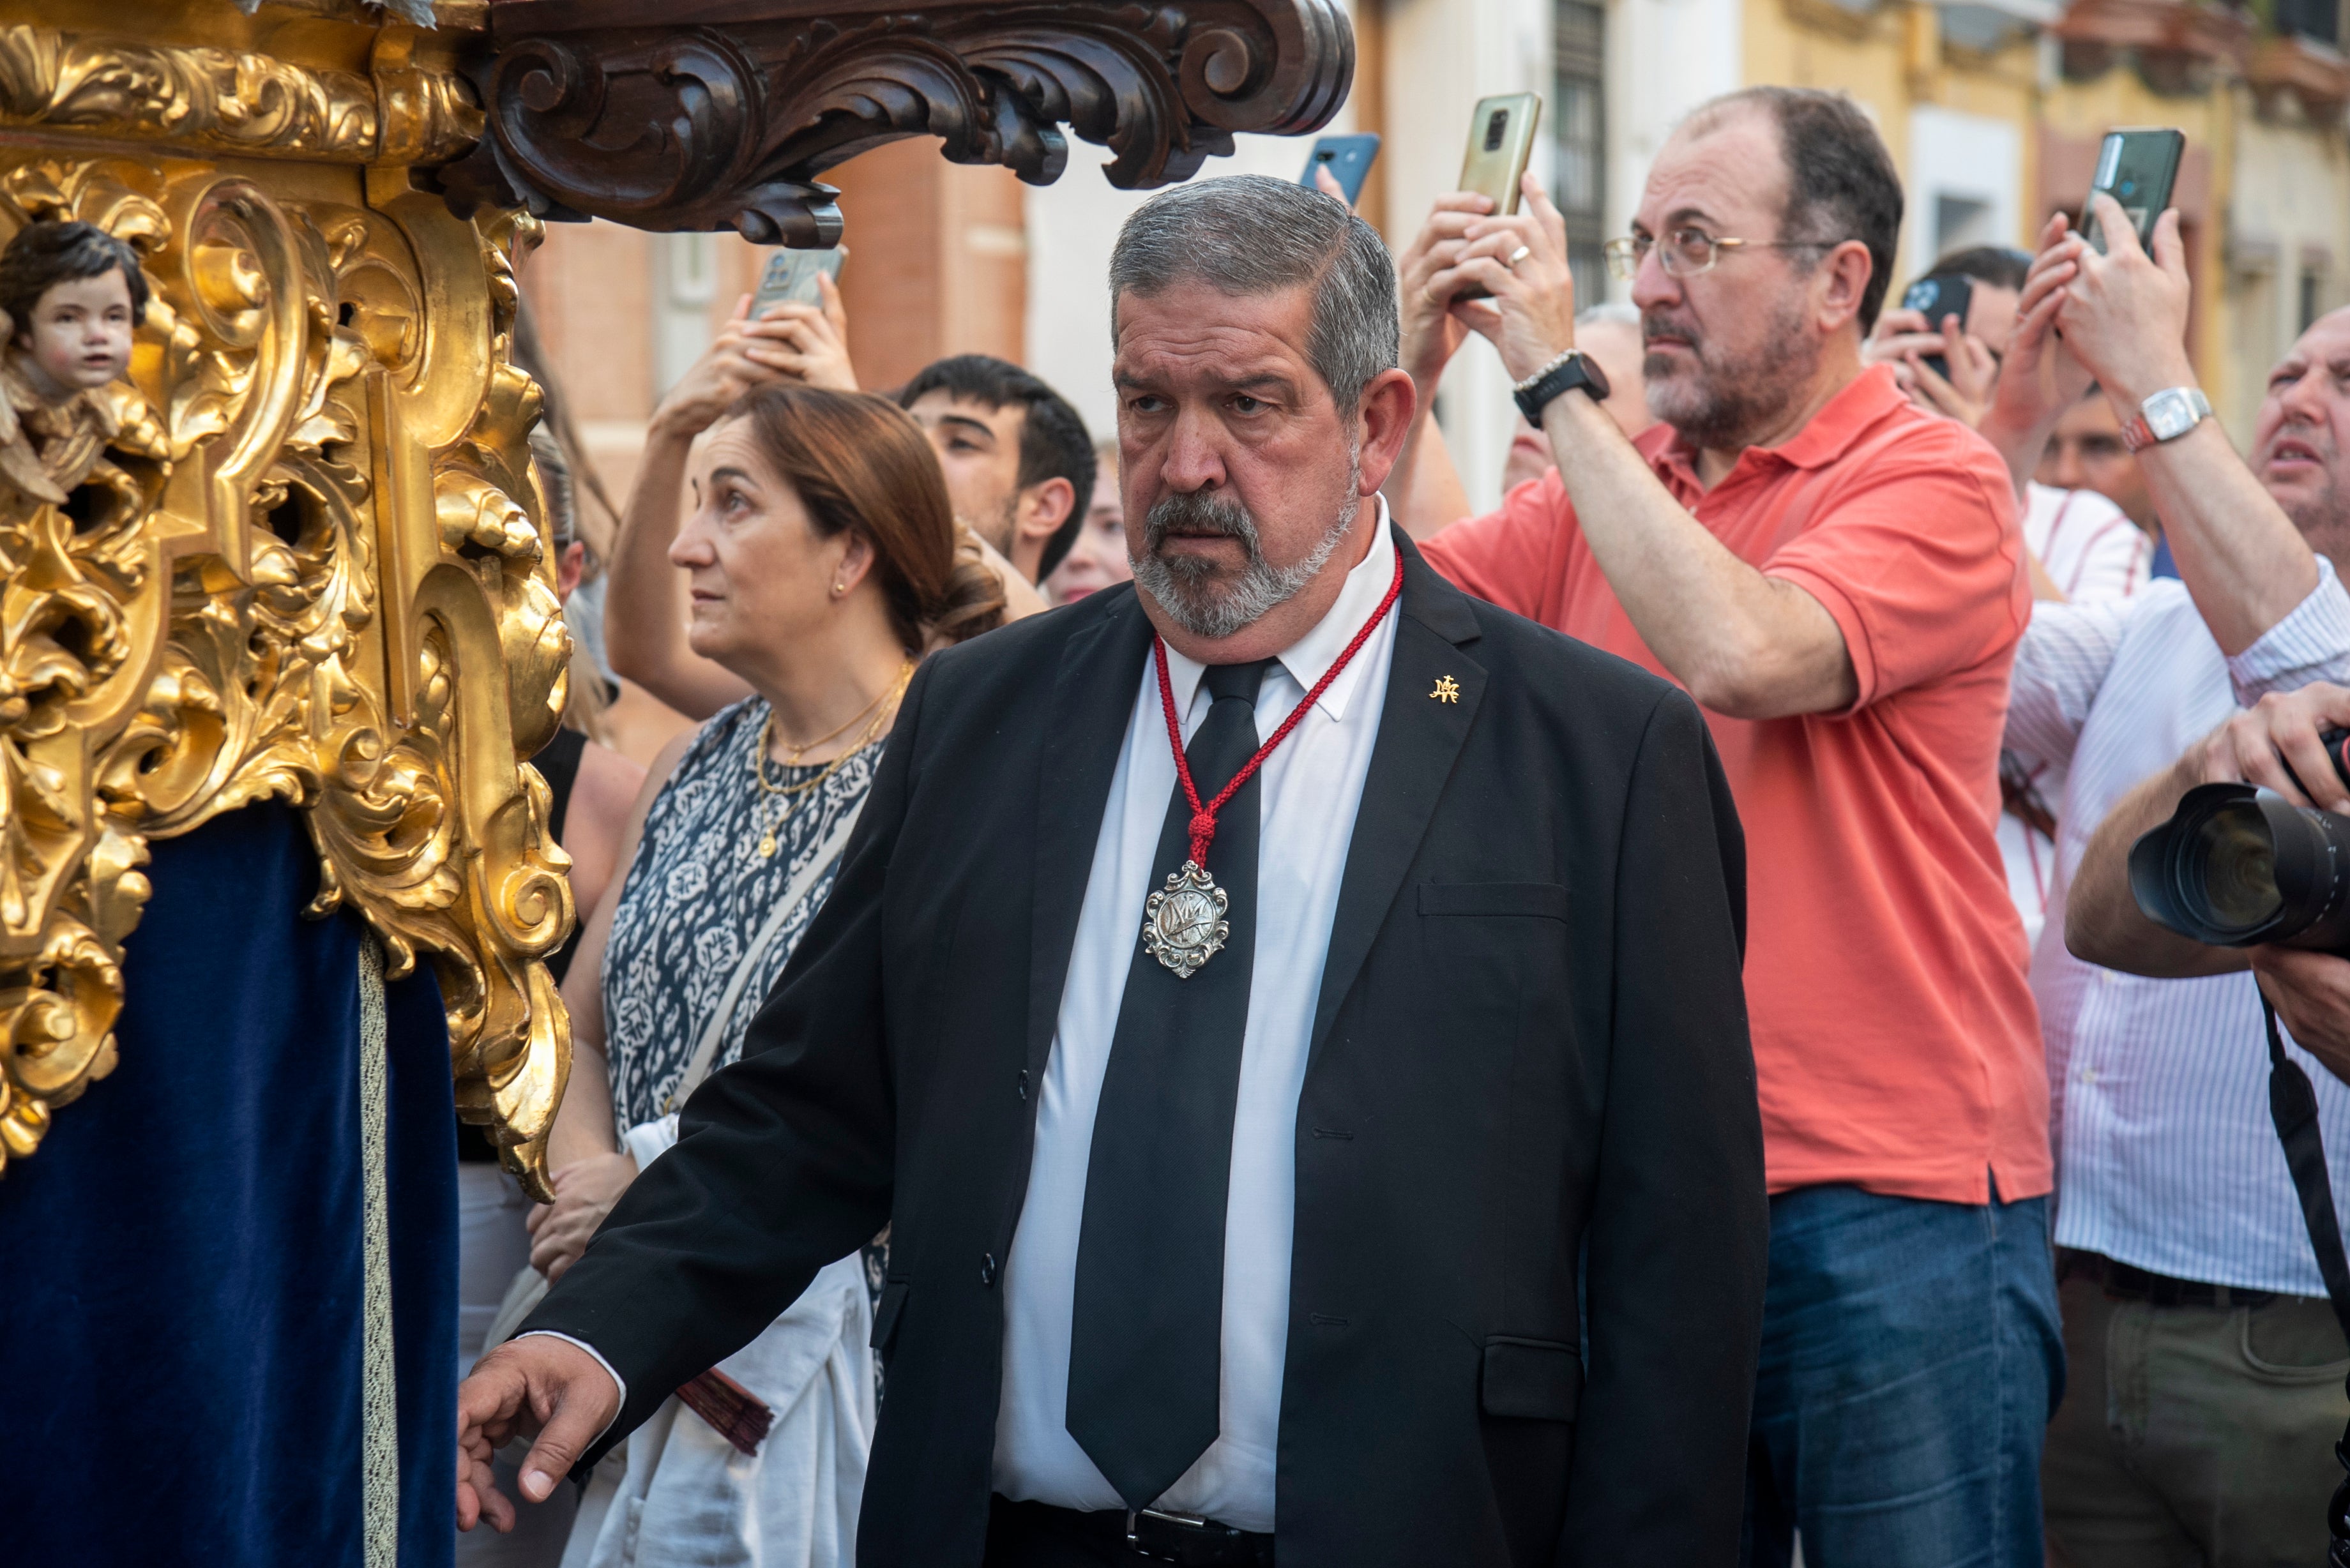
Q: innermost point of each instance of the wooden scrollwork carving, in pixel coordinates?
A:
(724, 115)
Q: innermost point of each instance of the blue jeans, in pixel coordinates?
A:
(1912, 1355)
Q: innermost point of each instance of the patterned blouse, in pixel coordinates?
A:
(697, 894)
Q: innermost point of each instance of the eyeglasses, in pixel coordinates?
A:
(1688, 251)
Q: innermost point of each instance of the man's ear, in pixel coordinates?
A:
(1840, 284)
(1044, 507)
(570, 565)
(1385, 413)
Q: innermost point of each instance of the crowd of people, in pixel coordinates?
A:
(2019, 1272)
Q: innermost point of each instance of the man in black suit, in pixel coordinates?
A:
(1341, 1129)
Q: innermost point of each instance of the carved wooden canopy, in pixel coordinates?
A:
(721, 113)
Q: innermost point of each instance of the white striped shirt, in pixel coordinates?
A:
(2165, 1156)
(2090, 549)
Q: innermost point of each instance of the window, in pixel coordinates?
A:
(2317, 19)
(1579, 133)
(2312, 292)
(1961, 223)
(686, 286)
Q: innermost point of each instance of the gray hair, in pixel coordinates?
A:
(554, 480)
(1248, 234)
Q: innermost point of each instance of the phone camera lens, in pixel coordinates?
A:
(1493, 129)
(2129, 187)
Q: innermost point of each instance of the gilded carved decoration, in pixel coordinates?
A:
(724, 113)
(229, 100)
(308, 565)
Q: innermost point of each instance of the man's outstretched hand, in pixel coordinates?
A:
(537, 1384)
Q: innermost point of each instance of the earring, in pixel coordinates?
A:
(838, 590)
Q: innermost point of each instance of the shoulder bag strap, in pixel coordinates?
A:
(705, 1052)
(2292, 1107)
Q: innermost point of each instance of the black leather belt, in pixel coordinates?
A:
(1149, 1536)
(2124, 1282)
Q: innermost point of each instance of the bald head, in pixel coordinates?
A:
(2301, 431)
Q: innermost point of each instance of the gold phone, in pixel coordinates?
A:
(1501, 141)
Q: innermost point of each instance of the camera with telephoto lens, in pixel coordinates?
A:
(2238, 866)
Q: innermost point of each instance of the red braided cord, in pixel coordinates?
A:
(1203, 817)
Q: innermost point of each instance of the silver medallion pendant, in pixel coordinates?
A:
(1183, 925)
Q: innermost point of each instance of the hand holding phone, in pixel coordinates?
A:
(805, 326)
(1935, 298)
(2125, 313)
(1347, 158)
(2137, 168)
(791, 277)
(1501, 141)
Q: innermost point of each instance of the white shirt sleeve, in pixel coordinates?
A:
(644, 1142)
(2059, 667)
(2313, 643)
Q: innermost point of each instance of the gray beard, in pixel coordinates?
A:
(1723, 402)
(1188, 588)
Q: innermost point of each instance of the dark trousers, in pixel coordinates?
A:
(2194, 1436)
(1031, 1535)
(1021, 1536)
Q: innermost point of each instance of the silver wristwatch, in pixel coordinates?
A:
(2166, 416)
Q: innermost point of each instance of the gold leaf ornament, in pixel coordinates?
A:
(307, 563)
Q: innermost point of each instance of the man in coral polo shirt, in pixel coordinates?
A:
(1835, 576)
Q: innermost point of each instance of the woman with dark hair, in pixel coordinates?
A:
(824, 562)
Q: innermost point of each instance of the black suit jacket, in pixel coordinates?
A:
(1529, 1072)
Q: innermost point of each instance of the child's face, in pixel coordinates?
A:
(80, 332)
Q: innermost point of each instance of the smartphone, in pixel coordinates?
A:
(791, 277)
(1348, 159)
(1935, 298)
(1501, 141)
(2137, 168)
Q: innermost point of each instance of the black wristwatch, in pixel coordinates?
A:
(1571, 369)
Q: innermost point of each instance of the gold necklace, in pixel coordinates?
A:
(768, 736)
(770, 841)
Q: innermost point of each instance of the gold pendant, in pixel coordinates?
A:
(1183, 925)
(767, 847)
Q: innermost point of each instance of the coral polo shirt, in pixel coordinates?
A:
(1896, 1045)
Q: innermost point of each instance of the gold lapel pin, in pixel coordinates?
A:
(1447, 689)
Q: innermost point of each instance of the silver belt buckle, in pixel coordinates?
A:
(1133, 1536)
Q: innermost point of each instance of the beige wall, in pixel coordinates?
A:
(2292, 188)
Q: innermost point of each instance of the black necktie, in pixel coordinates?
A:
(1146, 1340)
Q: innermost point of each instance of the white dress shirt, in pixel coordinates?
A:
(2165, 1156)
(2091, 549)
(1312, 785)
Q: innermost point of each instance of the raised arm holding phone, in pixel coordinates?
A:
(2186, 1272)
(1833, 573)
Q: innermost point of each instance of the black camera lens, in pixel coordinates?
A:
(2237, 867)
(2238, 861)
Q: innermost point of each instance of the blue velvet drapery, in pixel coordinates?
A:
(181, 1259)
